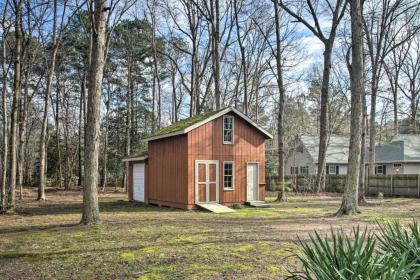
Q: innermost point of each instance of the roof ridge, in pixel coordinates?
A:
(185, 125)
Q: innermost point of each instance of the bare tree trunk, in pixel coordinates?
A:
(280, 114)
(156, 79)
(129, 117)
(382, 20)
(173, 105)
(81, 130)
(395, 112)
(215, 23)
(243, 59)
(5, 145)
(57, 133)
(22, 134)
(193, 79)
(4, 116)
(350, 197)
(43, 140)
(67, 169)
(323, 119)
(372, 125)
(105, 151)
(15, 107)
(337, 14)
(90, 191)
(362, 174)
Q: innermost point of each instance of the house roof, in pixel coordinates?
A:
(403, 147)
(186, 125)
(138, 157)
(337, 149)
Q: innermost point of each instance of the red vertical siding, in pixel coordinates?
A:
(206, 143)
(171, 163)
(168, 171)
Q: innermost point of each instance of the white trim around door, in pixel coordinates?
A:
(207, 181)
(255, 184)
(138, 181)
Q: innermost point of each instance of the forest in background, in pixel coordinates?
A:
(166, 60)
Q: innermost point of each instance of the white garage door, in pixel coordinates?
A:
(138, 182)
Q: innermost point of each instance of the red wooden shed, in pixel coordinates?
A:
(218, 157)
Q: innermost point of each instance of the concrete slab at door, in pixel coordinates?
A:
(138, 182)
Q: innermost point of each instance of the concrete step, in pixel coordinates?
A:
(258, 204)
(215, 207)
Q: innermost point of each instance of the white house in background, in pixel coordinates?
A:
(303, 157)
(400, 156)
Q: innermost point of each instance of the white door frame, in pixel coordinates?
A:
(258, 178)
(207, 182)
(138, 197)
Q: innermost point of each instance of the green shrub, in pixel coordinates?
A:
(380, 197)
(357, 255)
(288, 187)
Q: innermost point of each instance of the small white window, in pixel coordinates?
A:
(380, 169)
(294, 170)
(228, 175)
(304, 170)
(331, 169)
(227, 129)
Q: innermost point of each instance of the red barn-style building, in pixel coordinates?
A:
(218, 157)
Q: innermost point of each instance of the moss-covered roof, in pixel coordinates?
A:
(185, 123)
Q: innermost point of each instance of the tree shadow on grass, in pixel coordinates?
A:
(37, 255)
(37, 228)
(74, 208)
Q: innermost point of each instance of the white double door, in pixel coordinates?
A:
(206, 181)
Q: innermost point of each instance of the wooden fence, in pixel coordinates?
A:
(394, 185)
(389, 185)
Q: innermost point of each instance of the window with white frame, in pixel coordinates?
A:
(227, 129)
(228, 175)
(332, 169)
(304, 170)
(294, 170)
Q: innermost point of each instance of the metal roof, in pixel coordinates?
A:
(135, 158)
(186, 125)
(403, 147)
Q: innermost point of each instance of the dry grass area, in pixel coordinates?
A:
(44, 241)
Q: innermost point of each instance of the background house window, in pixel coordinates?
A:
(398, 167)
(380, 169)
(227, 130)
(333, 169)
(228, 175)
(304, 170)
(294, 170)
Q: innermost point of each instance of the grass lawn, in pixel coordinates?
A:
(44, 241)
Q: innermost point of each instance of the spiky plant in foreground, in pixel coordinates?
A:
(399, 241)
(353, 256)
